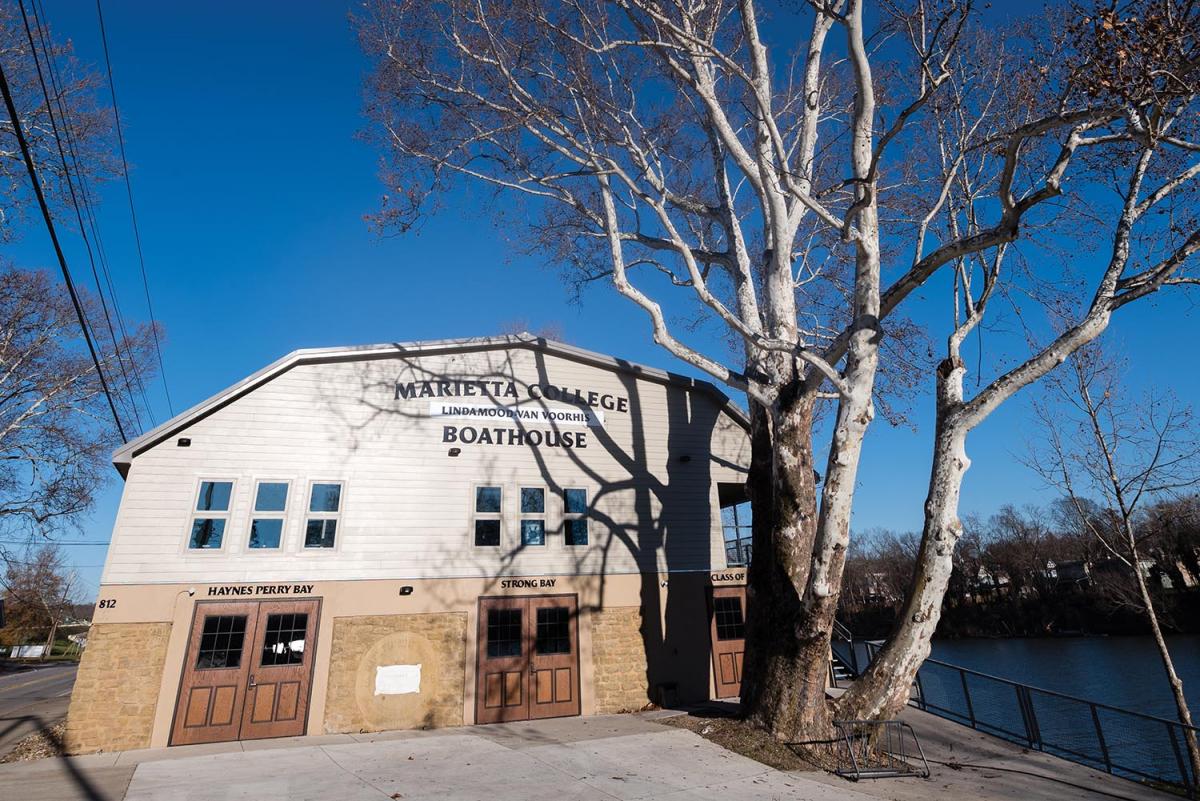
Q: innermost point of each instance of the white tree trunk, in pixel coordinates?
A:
(885, 686)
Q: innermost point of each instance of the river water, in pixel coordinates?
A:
(1121, 671)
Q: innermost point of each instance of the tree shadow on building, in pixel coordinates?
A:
(652, 477)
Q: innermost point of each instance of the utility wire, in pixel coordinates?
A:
(58, 140)
(57, 85)
(137, 236)
(62, 260)
(54, 542)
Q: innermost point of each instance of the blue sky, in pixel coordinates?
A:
(252, 187)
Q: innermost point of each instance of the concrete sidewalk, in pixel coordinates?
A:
(622, 757)
(568, 759)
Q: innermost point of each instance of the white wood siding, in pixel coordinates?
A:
(407, 504)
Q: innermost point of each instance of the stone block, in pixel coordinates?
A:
(362, 645)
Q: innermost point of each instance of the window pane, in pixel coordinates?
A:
(576, 532)
(283, 643)
(487, 532)
(730, 623)
(728, 519)
(207, 532)
(271, 497)
(576, 501)
(553, 631)
(503, 633)
(221, 642)
(533, 532)
(320, 533)
(325, 498)
(487, 499)
(214, 496)
(266, 533)
(533, 500)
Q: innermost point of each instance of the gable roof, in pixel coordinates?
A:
(123, 456)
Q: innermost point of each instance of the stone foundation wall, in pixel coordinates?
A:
(362, 645)
(619, 660)
(116, 689)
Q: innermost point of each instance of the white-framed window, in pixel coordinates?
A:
(268, 516)
(737, 528)
(575, 524)
(533, 515)
(488, 507)
(210, 515)
(324, 511)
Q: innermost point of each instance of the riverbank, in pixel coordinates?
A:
(1061, 613)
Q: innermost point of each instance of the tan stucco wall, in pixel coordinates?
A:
(117, 687)
(619, 660)
(361, 645)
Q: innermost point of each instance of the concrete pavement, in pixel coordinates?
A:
(607, 758)
(33, 699)
(572, 759)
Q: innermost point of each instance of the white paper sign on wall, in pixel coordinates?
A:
(397, 679)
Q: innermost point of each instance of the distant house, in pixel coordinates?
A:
(1075, 572)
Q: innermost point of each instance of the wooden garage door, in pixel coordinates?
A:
(728, 629)
(247, 672)
(528, 658)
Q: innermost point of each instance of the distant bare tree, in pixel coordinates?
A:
(551, 329)
(798, 195)
(38, 592)
(1127, 454)
(55, 428)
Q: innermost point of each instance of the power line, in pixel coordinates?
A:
(19, 130)
(137, 236)
(59, 91)
(58, 140)
(54, 542)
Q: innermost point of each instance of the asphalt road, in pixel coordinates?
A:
(32, 699)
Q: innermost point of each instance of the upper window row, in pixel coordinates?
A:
(270, 511)
(489, 503)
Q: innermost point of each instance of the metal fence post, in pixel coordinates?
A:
(1183, 771)
(1100, 737)
(1028, 716)
(967, 696)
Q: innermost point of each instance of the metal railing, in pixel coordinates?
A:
(1119, 741)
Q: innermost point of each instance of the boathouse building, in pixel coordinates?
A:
(416, 535)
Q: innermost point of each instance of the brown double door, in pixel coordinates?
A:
(247, 672)
(528, 660)
(727, 625)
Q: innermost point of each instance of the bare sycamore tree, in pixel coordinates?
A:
(72, 90)
(55, 427)
(795, 182)
(1125, 108)
(1096, 444)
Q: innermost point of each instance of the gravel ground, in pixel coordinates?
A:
(741, 738)
(37, 745)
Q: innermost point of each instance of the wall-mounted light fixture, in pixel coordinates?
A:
(455, 451)
(184, 442)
